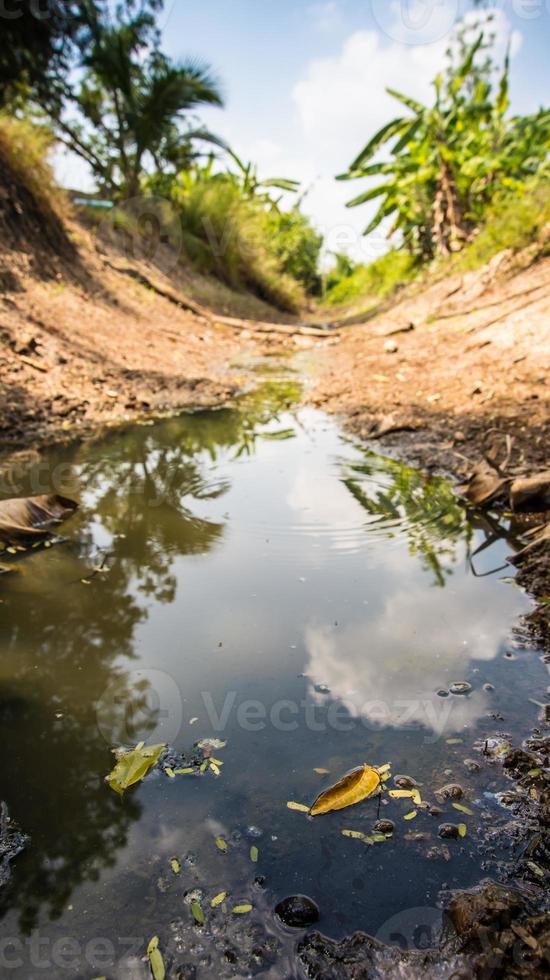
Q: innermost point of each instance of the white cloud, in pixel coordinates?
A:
(341, 101)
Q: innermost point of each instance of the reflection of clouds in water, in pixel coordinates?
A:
(322, 502)
(388, 669)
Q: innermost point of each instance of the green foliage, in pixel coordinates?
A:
(226, 233)
(450, 159)
(39, 41)
(348, 281)
(298, 247)
(515, 221)
(25, 147)
(129, 111)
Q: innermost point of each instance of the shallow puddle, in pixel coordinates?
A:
(252, 576)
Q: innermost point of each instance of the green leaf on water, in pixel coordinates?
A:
(356, 834)
(218, 900)
(133, 766)
(411, 815)
(462, 829)
(170, 773)
(241, 909)
(198, 913)
(463, 809)
(156, 961)
(203, 766)
(221, 843)
(175, 865)
(254, 853)
(534, 772)
(534, 867)
(454, 741)
(217, 762)
(183, 772)
(214, 768)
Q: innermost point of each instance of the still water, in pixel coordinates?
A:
(248, 575)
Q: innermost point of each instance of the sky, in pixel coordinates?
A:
(304, 83)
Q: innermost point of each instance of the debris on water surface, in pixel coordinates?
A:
(460, 687)
(448, 830)
(322, 688)
(197, 913)
(156, 961)
(209, 745)
(133, 766)
(218, 899)
(355, 786)
(26, 518)
(297, 806)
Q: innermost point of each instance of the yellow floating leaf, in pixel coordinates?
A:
(463, 809)
(534, 867)
(241, 909)
(156, 961)
(298, 806)
(214, 768)
(132, 766)
(254, 854)
(322, 772)
(382, 769)
(175, 865)
(355, 786)
(401, 794)
(411, 815)
(534, 772)
(221, 843)
(217, 762)
(462, 829)
(218, 900)
(416, 798)
(354, 833)
(170, 773)
(183, 772)
(454, 741)
(385, 776)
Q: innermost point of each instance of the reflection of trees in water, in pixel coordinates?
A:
(407, 501)
(142, 486)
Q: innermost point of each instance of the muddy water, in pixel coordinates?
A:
(267, 583)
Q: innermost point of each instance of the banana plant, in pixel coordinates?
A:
(447, 160)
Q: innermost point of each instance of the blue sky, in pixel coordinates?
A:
(304, 80)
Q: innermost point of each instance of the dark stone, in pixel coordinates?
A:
(404, 782)
(12, 842)
(489, 905)
(297, 911)
(435, 811)
(451, 791)
(448, 830)
(519, 761)
(384, 827)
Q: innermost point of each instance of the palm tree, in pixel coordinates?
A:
(131, 109)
